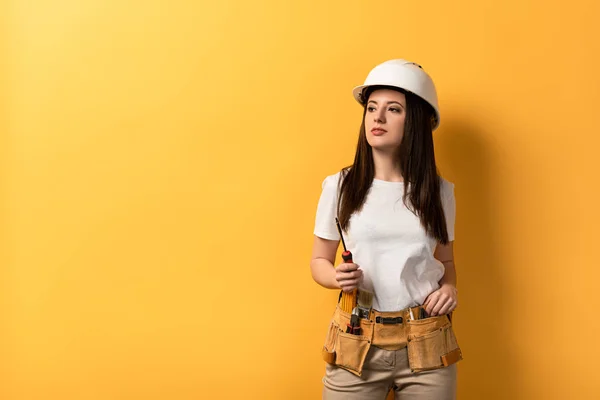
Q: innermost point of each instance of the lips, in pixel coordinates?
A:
(378, 131)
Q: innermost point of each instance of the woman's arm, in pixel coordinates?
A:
(346, 276)
(321, 264)
(444, 300)
(445, 253)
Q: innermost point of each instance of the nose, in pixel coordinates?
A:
(380, 116)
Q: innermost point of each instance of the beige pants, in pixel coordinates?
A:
(387, 369)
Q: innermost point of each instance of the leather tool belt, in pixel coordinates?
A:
(430, 341)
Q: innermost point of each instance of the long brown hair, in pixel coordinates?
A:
(419, 171)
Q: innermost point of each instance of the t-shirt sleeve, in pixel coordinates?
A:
(325, 226)
(449, 205)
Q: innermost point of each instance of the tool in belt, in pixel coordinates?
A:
(363, 311)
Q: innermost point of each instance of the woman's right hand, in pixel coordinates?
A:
(348, 276)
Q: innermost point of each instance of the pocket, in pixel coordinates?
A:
(389, 337)
(328, 351)
(432, 344)
(351, 351)
(420, 327)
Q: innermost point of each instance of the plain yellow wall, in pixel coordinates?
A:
(161, 164)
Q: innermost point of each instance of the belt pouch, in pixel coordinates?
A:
(432, 343)
(389, 331)
(346, 350)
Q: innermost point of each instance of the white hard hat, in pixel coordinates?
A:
(405, 75)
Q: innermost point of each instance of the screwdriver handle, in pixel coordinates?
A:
(347, 256)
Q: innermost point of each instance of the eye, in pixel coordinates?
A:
(370, 109)
(394, 109)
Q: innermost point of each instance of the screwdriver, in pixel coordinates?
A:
(346, 255)
(348, 299)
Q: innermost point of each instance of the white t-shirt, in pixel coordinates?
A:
(388, 242)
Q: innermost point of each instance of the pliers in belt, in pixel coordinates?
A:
(354, 326)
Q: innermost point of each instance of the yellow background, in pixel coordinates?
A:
(161, 164)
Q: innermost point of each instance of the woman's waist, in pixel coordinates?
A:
(397, 318)
(395, 294)
(398, 268)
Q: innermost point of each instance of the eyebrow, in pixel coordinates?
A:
(389, 102)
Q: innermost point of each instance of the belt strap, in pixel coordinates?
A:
(388, 320)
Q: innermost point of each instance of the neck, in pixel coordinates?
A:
(387, 167)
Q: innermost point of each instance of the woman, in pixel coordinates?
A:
(396, 215)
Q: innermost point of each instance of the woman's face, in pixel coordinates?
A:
(384, 119)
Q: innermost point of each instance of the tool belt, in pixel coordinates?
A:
(430, 341)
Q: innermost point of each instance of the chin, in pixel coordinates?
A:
(380, 143)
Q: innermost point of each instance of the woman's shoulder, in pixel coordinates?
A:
(333, 180)
(446, 187)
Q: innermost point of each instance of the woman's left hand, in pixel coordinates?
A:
(442, 301)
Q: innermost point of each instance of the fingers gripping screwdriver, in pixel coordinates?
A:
(348, 300)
